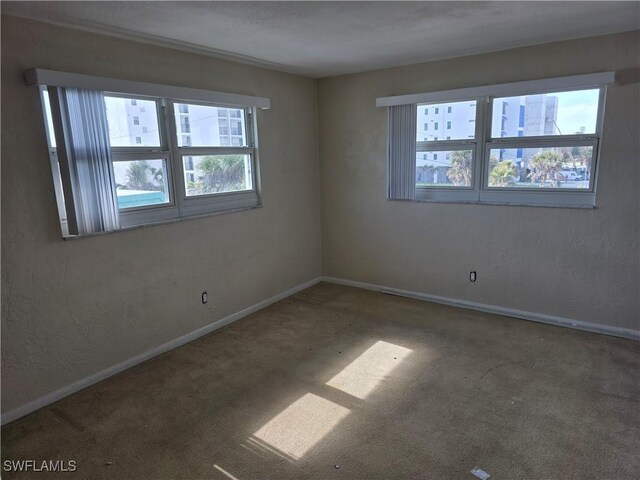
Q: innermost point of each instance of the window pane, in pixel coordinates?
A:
(563, 113)
(210, 126)
(457, 118)
(207, 174)
(453, 168)
(132, 123)
(141, 182)
(557, 167)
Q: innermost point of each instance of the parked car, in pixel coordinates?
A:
(570, 175)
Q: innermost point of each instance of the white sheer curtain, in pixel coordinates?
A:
(90, 180)
(402, 152)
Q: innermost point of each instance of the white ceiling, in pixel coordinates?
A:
(320, 39)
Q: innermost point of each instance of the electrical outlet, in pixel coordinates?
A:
(205, 297)
(472, 276)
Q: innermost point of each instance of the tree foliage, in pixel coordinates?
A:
(220, 173)
(140, 175)
(502, 174)
(461, 168)
(546, 167)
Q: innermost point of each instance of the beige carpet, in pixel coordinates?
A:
(341, 383)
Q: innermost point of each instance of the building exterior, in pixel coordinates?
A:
(134, 122)
(532, 115)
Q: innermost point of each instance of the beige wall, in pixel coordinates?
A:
(576, 264)
(73, 308)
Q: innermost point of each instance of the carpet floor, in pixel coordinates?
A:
(342, 383)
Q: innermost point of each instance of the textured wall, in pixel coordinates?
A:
(73, 308)
(577, 264)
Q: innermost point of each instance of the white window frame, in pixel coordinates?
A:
(179, 206)
(481, 192)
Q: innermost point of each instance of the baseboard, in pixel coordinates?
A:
(108, 372)
(509, 312)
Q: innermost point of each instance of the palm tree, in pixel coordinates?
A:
(221, 173)
(547, 167)
(141, 175)
(460, 171)
(502, 174)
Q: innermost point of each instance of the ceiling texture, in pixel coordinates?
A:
(320, 39)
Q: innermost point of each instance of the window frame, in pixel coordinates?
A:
(544, 141)
(544, 197)
(483, 143)
(455, 193)
(179, 205)
(144, 214)
(198, 204)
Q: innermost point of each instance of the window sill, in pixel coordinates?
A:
(506, 204)
(550, 199)
(162, 222)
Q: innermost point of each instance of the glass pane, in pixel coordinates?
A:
(563, 113)
(207, 174)
(206, 126)
(141, 182)
(452, 168)
(557, 167)
(446, 121)
(132, 122)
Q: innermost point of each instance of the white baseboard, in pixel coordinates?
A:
(509, 312)
(52, 397)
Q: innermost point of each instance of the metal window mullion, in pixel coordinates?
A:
(441, 147)
(544, 138)
(119, 156)
(547, 142)
(182, 151)
(61, 130)
(593, 174)
(138, 150)
(175, 160)
(436, 146)
(484, 114)
(253, 126)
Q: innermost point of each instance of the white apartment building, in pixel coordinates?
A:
(512, 117)
(197, 125)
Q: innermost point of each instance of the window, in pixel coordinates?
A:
(222, 165)
(426, 127)
(185, 126)
(140, 183)
(527, 143)
(119, 133)
(217, 175)
(437, 110)
(206, 126)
